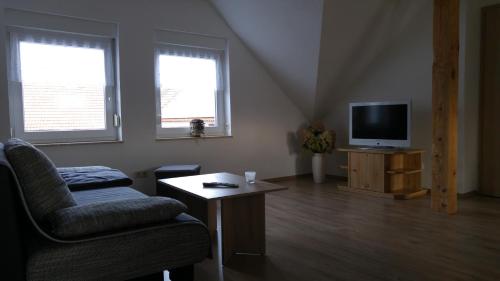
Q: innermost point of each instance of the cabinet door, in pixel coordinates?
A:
(490, 103)
(355, 169)
(373, 172)
(366, 171)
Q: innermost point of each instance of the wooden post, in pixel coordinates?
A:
(444, 105)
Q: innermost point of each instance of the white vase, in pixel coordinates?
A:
(318, 167)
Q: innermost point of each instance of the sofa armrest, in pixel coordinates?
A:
(112, 216)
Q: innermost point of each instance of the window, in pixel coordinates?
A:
(190, 85)
(61, 87)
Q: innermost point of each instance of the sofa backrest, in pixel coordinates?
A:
(13, 187)
(12, 222)
(43, 188)
(18, 223)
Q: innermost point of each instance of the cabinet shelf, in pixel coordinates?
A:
(395, 195)
(343, 185)
(404, 171)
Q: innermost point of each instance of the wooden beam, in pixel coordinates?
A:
(444, 105)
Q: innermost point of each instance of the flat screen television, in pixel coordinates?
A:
(380, 124)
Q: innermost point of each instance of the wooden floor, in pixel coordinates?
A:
(315, 232)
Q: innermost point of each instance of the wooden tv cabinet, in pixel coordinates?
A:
(393, 173)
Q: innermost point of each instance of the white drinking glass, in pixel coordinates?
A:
(250, 176)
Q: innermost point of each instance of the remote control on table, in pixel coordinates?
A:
(220, 184)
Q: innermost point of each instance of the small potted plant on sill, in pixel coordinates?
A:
(319, 141)
(197, 127)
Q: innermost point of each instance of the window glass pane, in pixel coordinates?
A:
(63, 87)
(188, 90)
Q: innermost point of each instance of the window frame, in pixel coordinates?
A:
(113, 126)
(222, 125)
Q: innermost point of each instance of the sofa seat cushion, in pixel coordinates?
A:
(106, 194)
(112, 216)
(80, 178)
(180, 242)
(45, 191)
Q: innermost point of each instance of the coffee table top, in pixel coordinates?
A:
(194, 185)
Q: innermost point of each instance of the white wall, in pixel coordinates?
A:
(263, 118)
(403, 70)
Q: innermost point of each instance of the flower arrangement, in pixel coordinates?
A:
(317, 139)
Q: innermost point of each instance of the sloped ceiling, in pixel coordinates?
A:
(355, 33)
(285, 36)
(317, 49)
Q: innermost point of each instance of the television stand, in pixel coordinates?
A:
(392, 173)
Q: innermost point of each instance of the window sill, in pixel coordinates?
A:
(75, 143)
(193, 138)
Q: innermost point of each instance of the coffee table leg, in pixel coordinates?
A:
(212, 219)
(243, 226)
(204, 210)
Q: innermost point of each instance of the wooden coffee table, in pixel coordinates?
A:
(242, 217)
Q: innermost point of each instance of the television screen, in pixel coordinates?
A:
(380, 122)
(377, 124)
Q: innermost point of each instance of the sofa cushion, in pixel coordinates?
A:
(80, 178)
(84, 197)
(105, 217)
(44, 189)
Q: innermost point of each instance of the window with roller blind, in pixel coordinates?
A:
(62, 87)
(190, 84)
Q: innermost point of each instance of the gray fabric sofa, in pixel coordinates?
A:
(131, 251)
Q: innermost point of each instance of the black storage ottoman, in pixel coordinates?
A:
(174, 171)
